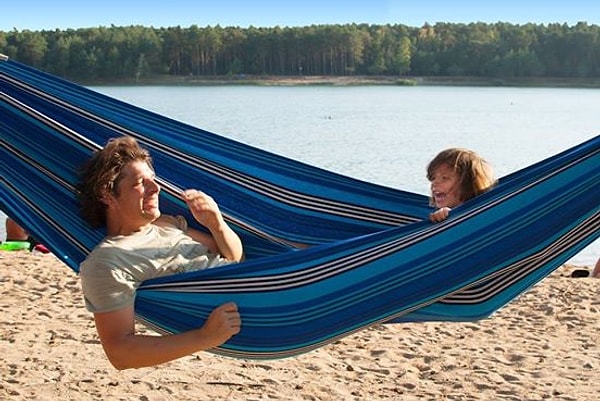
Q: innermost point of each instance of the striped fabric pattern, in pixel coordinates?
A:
(328, 255)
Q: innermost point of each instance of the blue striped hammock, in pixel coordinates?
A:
(327, 255)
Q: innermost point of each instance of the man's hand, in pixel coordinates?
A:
(222, 323)
(204, 208)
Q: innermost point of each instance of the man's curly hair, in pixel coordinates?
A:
(102, 173)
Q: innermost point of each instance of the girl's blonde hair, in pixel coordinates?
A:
(476, 175)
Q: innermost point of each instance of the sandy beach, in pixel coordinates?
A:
(543, 346)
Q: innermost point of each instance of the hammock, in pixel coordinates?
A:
(327, 255)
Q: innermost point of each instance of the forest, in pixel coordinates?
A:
(484, 50)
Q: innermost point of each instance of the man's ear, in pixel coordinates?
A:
(107, 198)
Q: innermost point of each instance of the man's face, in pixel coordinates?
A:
(137, 201)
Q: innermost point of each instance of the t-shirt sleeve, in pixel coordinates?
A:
(105, 288)
(178, 222)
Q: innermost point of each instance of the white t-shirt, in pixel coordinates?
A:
(118, 265)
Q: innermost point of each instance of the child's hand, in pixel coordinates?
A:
(440, 215)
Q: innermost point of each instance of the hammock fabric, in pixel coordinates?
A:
(327, 255)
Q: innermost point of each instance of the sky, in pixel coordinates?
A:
(38, 15)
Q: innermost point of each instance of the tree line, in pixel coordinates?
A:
(498, 50)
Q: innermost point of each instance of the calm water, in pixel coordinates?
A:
(387, 134)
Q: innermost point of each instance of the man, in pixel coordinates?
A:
(15, 232)
(119, 190)
(596, 271)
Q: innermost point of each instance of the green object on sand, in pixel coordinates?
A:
(15, 246)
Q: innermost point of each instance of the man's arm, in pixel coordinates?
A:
(126, 350)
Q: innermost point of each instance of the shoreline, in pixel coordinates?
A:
(351, 81)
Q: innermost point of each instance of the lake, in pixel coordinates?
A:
(386, 134)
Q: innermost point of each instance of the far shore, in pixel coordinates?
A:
(302, 80)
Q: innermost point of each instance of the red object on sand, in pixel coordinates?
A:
(41, 248)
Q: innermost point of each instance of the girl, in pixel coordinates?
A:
(456, 175)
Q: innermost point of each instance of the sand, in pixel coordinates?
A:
(543, 346)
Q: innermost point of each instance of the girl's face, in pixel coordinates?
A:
(445, 187)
